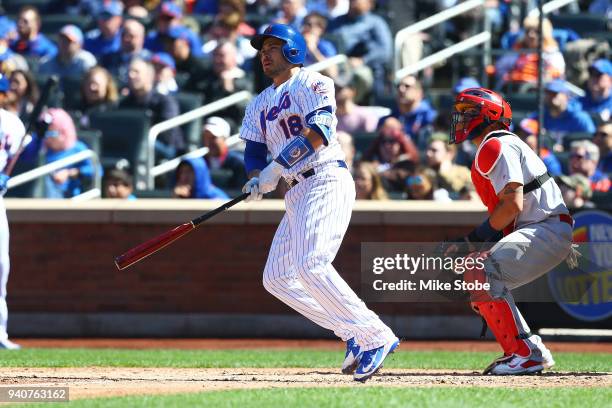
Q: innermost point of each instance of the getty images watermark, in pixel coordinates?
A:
(424, 272)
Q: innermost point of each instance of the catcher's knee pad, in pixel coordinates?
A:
(500, 319)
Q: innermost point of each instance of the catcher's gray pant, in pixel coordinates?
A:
(523, 256)
(4, 269)
(299, 269)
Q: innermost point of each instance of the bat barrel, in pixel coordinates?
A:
(151, 246)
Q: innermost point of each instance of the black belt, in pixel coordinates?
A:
(536, 183)
(312, 172)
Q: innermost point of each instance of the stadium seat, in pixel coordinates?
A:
(581, 23)
(221, 177)
(572, 137)
(71, 93)
(363, 140)
(523, 102)
(157, 193)
(192, 130)
(602, 200)
(32, 189)
(53, 23)
(13, 6)
(92, 138)
(124, 136)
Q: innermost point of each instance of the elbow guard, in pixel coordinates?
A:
(321, 122)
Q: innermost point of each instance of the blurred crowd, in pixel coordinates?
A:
(154, 56)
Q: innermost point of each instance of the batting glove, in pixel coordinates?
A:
(269, 177)
(3, 183)
(252, 187)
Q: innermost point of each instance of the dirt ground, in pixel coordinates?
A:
(93, 382)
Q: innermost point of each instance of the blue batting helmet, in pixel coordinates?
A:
(294, 49)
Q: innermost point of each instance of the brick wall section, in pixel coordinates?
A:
(68, 266)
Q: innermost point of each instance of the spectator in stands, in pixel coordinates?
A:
(352, 118)
(465, 83)
(522, 67)
(576, 191)
(142, 95)
(118, 183)
(603, 140)
(191, 72)
(61, 141)
(226, 28)
(528, 131)
(25, 88)
(416, 113)
(292, 12)
(132, 46)
(98, 93)
(391, 145)
(319, 49)
(9, 60)
(598, 99)
(394, 154)
(165, 72)
(455, 179)
(329, 8)
(215, 132)
(422, 185)
(226, 78)
(367, 40)
(193, 181)
(348, 147)
(30, 41)
(226, 7)
(71, 60)
(170, 15)
(107, 37)
(368, 184)
(584, 157)
(561, 115)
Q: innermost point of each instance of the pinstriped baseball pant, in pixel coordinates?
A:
(4, 269)
(299, 269)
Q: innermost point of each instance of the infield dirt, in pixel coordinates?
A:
(93, 382)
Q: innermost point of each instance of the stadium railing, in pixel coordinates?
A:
(94, 192)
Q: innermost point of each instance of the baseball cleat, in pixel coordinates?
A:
(6, 344)
(372, 360)
(352, 356)
(517, 365)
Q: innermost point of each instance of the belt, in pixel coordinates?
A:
(566, 218)
(311, 172)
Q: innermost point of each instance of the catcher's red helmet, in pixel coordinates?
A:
(474, 110)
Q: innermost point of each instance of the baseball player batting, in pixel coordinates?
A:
(11, 133)
(294, 119)
(525, 203)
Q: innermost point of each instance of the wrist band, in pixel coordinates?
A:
(295, 151)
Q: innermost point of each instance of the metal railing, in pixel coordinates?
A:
(49, 168)
(402, 35)
(170, 165)
(160, 127)
(439, 56)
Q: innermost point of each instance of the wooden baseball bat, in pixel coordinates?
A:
(153, 245)
(33, 118)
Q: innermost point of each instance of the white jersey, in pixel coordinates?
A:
(278, 114)
(11, 133)
(518, 163)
